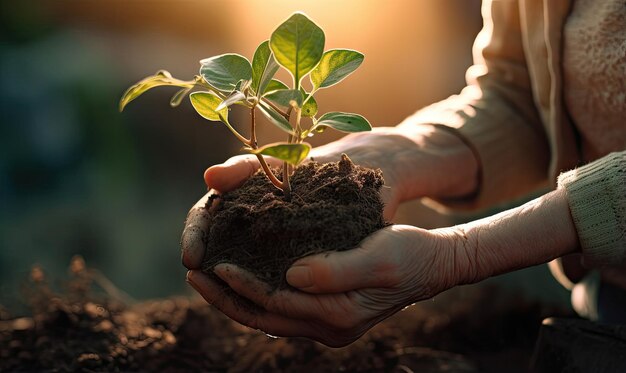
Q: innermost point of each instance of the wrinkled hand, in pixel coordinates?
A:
(342, 294)
(368, 149)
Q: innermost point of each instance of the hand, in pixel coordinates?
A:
(416, 165)
(342, 294)
(415, 160)
(363, 148)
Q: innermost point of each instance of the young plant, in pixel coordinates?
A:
(297, 45)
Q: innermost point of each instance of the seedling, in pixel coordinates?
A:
(297, 45)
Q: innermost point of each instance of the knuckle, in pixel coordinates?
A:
(280, 305)
(252, 165)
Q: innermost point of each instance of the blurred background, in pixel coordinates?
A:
(78, 177)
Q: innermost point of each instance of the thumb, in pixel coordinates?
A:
(337, 272)
(233, 173)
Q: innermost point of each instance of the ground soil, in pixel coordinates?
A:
(86, 329)
(333, 207)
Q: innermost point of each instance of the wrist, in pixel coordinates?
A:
(531, 234)
(445, 266)
(461, 265)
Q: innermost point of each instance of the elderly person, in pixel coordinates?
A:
(545, 107)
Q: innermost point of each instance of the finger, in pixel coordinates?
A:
(287, 303)
(234, 172)
(368, 266)
(193, 240)
(268, 322)
(335, 272)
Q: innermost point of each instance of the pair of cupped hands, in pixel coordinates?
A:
(338, 296)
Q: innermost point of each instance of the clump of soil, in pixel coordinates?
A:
(332, 208)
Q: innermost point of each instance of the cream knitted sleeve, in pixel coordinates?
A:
(597, 198)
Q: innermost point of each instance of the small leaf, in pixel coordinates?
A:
(290, 153)
(234, 97)
(283, 97)
(161, 78)
(335, 65)
(298, 44)
(264, 66)
(344, 122)
(274, 85)
(242, 85)
(178, 97)
(275, 117)
(206, 104)
(223, 72)
(310, 106)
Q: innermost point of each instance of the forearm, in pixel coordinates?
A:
(534, 233)
(440, 165)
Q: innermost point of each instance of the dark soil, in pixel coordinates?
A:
(83, 329)
(332, 208)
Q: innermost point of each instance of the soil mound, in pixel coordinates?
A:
(333, 207)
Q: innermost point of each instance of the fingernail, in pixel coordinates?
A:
(221, 270)
(189, 281)
(300, 277)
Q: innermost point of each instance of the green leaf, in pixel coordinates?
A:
(264, 66)
(234, 97)
(206, 104)
(310, 105)
(298, 44)
(274, 85)
(275, 118)
(224, 72)
(283, 97)
(335, 65)
(178, 97)
(242, 85)
(161, 78)
(344, 122)
(290, 153)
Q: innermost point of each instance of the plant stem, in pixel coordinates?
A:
(298, 129)
(286, 166)
(253, 144)
(237, 134)
(286, 172)
(270, 103)
(270, 175)
(268, 172)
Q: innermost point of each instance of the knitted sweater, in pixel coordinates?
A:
(547, 93)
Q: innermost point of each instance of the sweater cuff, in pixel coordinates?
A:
(596, 197)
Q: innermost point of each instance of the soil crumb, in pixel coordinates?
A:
(333, 207)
